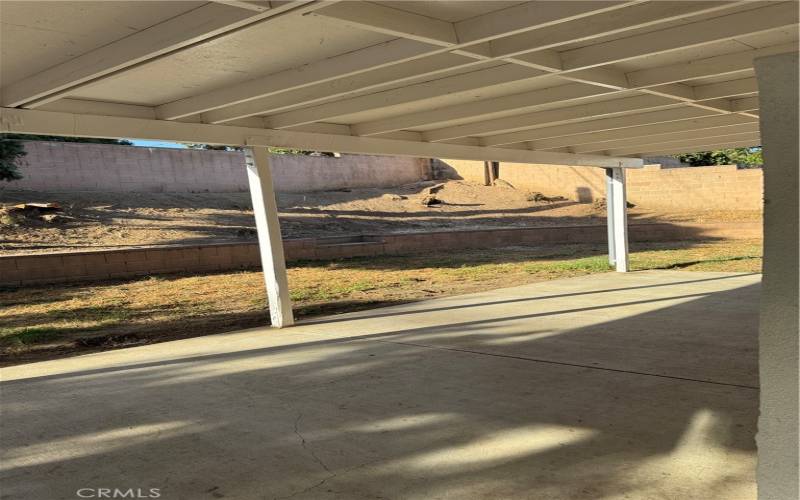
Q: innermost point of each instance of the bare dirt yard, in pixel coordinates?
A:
(113, 220)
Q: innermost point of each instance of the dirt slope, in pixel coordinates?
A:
(109, 220)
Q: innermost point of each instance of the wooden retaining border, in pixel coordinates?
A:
(35, 269)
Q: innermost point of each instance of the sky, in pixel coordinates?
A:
(157, 144)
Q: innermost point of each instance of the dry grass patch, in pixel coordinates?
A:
(47, 321)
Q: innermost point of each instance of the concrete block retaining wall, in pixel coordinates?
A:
(32, 269)
(722, 187)
(65, 166)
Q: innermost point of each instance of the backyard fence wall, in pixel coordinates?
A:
(65, 166)
(33, 269)
(724, 187)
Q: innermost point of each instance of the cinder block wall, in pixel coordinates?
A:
(64, 166)
(694, 188)
(33, 269)
(722, 187)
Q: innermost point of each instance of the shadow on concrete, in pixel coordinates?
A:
(656, 402)
(517, 300)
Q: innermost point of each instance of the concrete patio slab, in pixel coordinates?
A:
(638, 386)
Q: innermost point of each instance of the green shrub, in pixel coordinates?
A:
(11, 150)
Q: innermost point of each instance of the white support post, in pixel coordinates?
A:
(259, 175)
(616, 206)
(779, 337)
(610, 216)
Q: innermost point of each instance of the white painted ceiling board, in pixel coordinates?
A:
(450, 10)
(37, 35)
(282, 67)
(543, 107)
(680, 55)
(269, 47)
(728, 9)
(452, 99)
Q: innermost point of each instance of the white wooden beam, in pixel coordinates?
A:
(369, 61)
(274, 92)
(14, 120)
(508, 125)
(420, 91)
(270, 243)
(516, 19)
(721, 28)
(701, 146)
(546, 60)
(683, 93)
(602, 77)
(686, 94)
(648, 141)
(395, 147)
(529, 16)
(660, 116)
(744, 105)
(376, 80)
(706, 109)
(726, 89)
(365, 60)
(487, 107)
(739, 62)
(751, 137)
(254, 5)
(390, 21)
(412, 26)
(197, 25)
(597, 139)
(602, 24)
(396, 22)
(84, 107)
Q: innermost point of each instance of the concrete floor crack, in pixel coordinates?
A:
(305, 490)
(562, 363)
(304, 443)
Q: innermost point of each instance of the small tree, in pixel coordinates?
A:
(748, 157)
(11, 150)
(211, 147)
(58, 138)
(272, 150)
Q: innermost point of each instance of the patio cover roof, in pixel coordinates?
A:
(598, 83)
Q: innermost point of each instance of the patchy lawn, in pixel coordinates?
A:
(41, 322)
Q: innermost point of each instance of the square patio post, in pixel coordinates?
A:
(265, 209)
(616, 207)
(779, 348)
